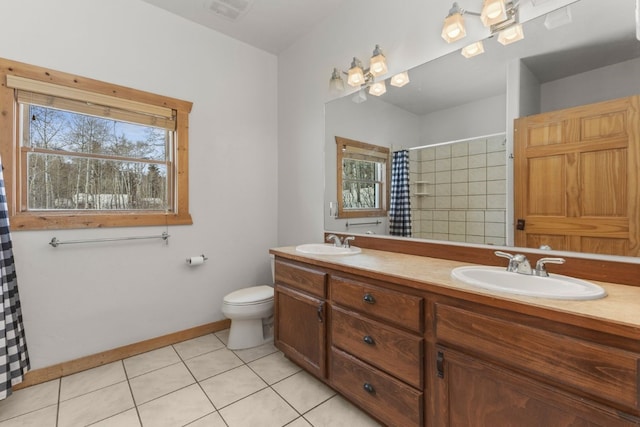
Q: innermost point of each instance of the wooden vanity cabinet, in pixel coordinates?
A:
(409, 357)
(474, 393)
(376, 344)
(300, 313)
(495, 367)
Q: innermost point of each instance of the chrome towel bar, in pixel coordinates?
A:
(353, 224)
(55, 242)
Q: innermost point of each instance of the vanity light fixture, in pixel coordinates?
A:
(500, 16)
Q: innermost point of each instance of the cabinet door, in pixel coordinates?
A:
(300, 331)
(474, 393)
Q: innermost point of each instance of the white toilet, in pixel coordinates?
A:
(251, 314)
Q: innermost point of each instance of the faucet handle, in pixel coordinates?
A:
(346, 240)
(504, 255)
(540, 268)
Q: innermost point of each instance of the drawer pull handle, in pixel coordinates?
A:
(369, 299)
(368, 340)
(369, 388)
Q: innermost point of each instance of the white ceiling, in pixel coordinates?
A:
(270, 25)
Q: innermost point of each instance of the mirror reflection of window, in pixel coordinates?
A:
(362, 175)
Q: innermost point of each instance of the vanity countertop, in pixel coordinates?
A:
(617, 313)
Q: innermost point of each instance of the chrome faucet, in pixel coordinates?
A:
(540, 268)
(518, 263)
(336, 240)
(346, 240)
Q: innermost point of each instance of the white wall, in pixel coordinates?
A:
(82, 299)
(615, 81)
(483, 117)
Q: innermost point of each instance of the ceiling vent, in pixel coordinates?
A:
(230, 9)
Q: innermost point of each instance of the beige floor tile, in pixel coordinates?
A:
(274, 368)
(46, 417)
(30, 399)
(223, 336)
(197, 346)
(213, 363)
(300, 422)
(232, 386)
(124, 419)
(91, 380)
(95, 406)
(176, 409)
(250, 354)
(162, 381)
(264, 408)
(211, 420)
(337, 412)
(150, 361)
(303, 391)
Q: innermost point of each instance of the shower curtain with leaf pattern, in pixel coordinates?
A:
(14, 358)
(400, 204)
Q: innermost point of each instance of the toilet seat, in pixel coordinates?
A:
(249, 296)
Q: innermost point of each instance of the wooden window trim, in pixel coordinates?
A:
(375, 152)
(13, 174)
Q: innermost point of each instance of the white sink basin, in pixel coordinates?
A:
(555, 286)
(327, 249)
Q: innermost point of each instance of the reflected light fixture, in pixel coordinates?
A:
(400, 79)
(500, 16)
(511, 34)
(378, 88)
(358, 76)
(473, 49)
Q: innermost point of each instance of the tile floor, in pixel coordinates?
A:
(194, 383)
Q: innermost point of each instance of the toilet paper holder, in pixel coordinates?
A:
(196, 260)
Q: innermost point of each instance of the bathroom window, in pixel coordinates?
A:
(363, 176)
(91, 154)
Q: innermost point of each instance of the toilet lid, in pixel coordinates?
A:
(252, 295)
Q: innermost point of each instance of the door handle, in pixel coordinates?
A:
(319, 312)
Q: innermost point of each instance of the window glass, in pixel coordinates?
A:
(77, 161)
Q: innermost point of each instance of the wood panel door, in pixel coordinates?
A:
(576, 178)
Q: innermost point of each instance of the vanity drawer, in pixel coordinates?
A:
(396, 307)
(384, 397)
(300, 277)
(604, 372)
(396, 352)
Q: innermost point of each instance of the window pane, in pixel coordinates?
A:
(360, 195)
(361, 184)
(54, 129)
(68, 182)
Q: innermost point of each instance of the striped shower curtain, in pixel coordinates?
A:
(400, 204)
(14, 358)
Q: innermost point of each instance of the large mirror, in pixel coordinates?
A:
(458, 111)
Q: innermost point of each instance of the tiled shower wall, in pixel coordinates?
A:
(458, 191)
